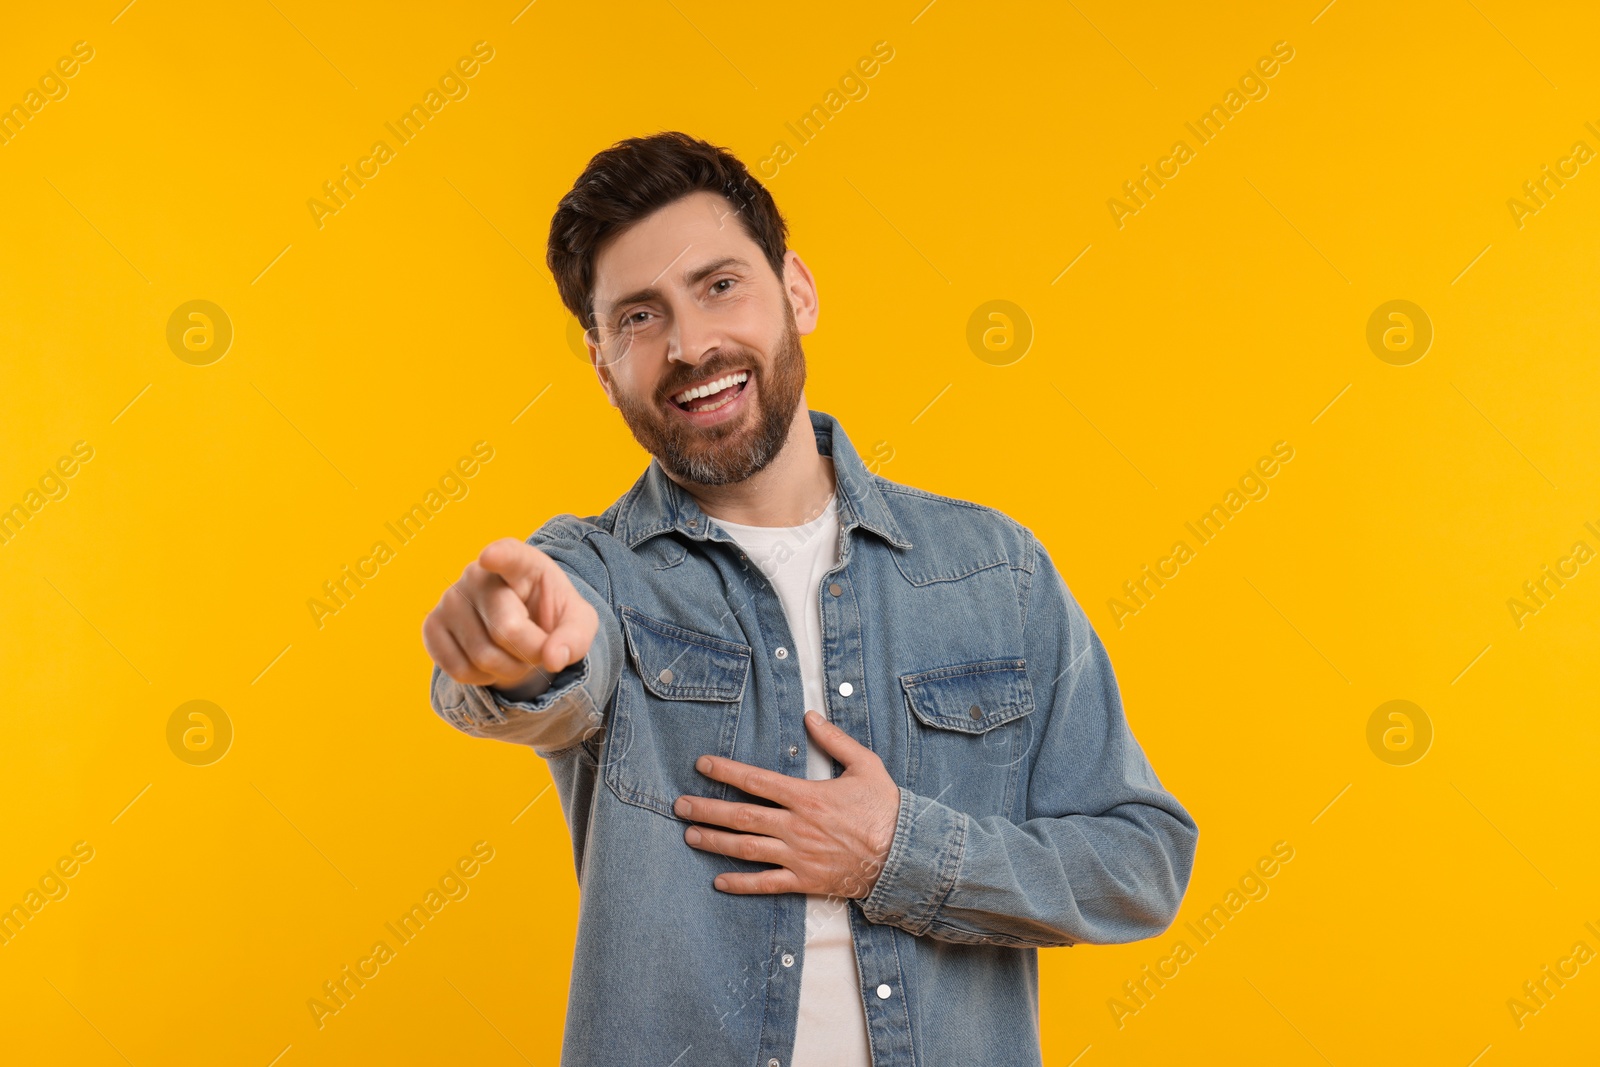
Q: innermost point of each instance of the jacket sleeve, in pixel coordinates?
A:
(574, 706)
(1105, 853)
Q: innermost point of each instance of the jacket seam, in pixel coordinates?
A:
(1025, 584)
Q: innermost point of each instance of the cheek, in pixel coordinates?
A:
(642, 393)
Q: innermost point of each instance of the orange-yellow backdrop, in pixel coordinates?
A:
(1172, 346)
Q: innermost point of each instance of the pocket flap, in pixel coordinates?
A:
(970, 697)
(680, 664)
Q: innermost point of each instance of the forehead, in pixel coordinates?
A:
(658, 249)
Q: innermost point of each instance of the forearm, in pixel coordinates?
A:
(1102, 852)
(1114, 877)
(546, 713)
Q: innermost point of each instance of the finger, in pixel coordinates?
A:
(517, 562)
(757, 781)
(471, 632)
(753, 847)
(553, 603)
(505, 616)
(746, 818)
(776, 880)
(568, 618)
(837, 742)
(448, 654)
(573, 635)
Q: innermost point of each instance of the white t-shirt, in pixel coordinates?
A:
(832, 1028)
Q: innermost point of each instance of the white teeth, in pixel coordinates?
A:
(711, 387)
(715, 404)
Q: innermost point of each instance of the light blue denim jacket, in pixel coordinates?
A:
(1029, 816)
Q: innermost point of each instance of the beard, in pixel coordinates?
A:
(733, 450)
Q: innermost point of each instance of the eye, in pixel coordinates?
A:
(731, 282)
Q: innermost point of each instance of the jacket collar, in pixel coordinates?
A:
(657, 504)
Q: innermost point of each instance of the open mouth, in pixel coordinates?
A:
(714, 394)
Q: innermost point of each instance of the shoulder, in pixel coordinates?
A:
(570, 528)
(951, 536)
(585, 546)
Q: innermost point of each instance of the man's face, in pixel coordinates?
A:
(700, 307)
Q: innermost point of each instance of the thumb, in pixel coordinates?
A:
(568, 619)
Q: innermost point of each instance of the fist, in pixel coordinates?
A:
(513, 615)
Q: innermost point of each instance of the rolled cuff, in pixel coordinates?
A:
(560, 717)
(921, 867)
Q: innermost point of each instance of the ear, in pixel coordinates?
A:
(801, 289)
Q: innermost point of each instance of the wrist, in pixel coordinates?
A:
(535, 684)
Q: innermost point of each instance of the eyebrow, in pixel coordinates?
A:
(698, 274)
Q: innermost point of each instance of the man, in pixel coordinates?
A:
(865, 882)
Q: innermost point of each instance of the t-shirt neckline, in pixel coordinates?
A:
(827, 512)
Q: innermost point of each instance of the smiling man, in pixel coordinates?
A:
(837, 755)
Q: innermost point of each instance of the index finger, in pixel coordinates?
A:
(757, 781)
(519, 563)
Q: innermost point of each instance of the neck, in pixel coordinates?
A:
(794, 488)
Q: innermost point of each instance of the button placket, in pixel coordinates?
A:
(770, 620)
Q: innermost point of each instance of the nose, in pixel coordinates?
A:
(693, 332)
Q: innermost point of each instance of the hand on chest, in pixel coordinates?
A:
(930, 677)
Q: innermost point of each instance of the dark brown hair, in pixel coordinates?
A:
(626, 182)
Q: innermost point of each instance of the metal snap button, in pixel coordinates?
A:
(665, 677)
(884, 991)
(835, 589)
(845, 689)
(794, 750)
(788, 960)
(781, 652)
(975, 711)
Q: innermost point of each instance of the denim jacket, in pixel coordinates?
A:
(1028, 814)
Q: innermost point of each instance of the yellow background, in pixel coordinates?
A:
(369, 354)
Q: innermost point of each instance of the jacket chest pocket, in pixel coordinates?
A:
(971, 728)
(680, 701)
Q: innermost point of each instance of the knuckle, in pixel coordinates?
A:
(480, 652)
(503, 611)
